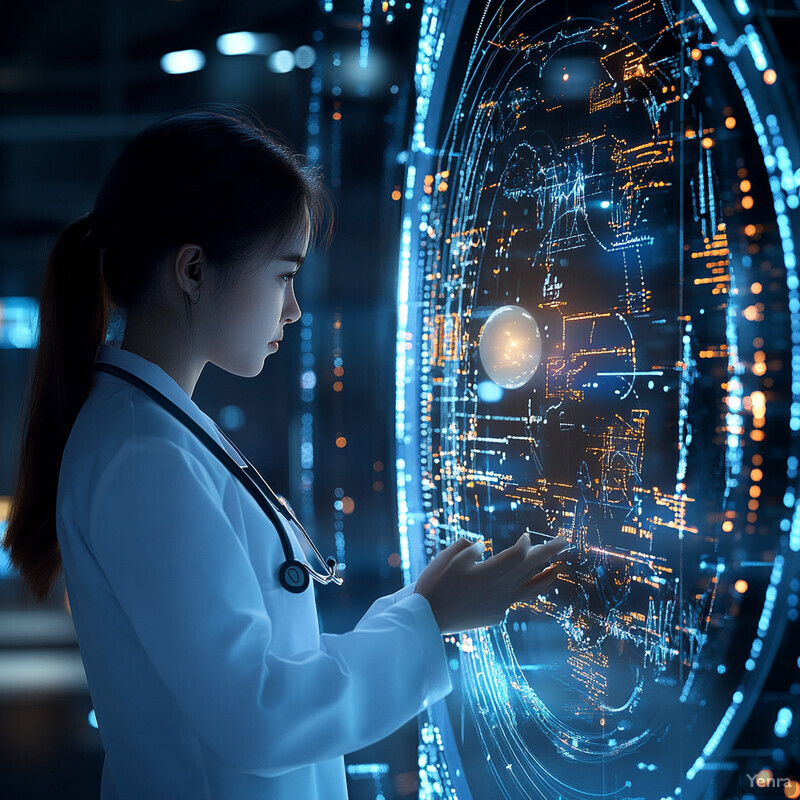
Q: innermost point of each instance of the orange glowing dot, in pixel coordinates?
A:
(755, 491)
(759, 368)
(750, 230)
(696, 54)
(758, 459)
(753, 504)
(377, 486)
(727, 526)
(378, 466)
(690, 134)
(756, 475)
(338, 371)
(752, 517)
(565, 76)
(770, 76)
(707, 142)
(745, 186)
(756, 436)
(445, 173)
(348, 505)
(740, 586)
(442, 186)
(730, 123)
(747, 202)
(791, 789)
(756, 288)
(396, 194)
(337, 115)
(741, 172)
(337, 387)
(341, 441)
(764, 778)
(428, 180)
(394, 560)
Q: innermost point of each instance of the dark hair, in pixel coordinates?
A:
(217, 178)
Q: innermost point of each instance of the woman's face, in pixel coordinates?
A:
(250, 317)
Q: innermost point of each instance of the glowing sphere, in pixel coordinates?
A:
(510, 346)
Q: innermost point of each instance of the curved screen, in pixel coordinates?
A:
(598, 318)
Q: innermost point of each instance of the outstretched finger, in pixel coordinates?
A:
(554, 546)
(537, 557)
(538, 584)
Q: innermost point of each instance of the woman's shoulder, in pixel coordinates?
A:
(116, 417)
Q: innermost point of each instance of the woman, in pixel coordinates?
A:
(209, 679)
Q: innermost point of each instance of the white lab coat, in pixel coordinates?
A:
(207, 678)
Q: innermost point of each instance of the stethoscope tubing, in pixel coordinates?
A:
(261, 494)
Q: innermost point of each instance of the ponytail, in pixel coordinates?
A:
(73, 317)
(217, 178)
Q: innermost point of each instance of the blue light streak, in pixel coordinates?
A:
(756, 48)
(707, 18)
(367, 769)
(363, 49)
(783, 722)
(239, 43)
(742, 7)
(181, 62)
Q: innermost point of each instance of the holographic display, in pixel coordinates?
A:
(598, 337)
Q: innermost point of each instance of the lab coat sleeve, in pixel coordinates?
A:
(382, 603)
(183, 578)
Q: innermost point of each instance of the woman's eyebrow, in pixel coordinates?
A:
(292, 257)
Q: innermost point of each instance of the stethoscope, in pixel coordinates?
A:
(294, 575)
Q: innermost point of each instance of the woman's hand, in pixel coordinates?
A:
(464, 593)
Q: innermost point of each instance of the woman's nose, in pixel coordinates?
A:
(291, 309)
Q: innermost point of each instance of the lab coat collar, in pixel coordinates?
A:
(153, 374)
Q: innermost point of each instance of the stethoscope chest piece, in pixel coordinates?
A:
(293, 576)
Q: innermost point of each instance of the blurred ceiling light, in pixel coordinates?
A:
(304, 56)
(243, 43)
(181, 61)
(281, 61)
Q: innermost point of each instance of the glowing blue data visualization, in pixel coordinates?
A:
(599, 337)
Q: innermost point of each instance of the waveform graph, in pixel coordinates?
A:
(597, 226)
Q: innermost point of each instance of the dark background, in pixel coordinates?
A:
(77, 80)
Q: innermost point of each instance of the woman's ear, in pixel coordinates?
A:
(190, 268)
